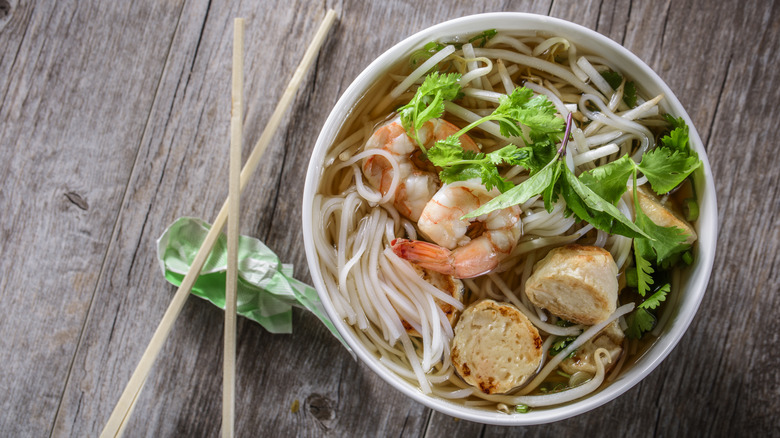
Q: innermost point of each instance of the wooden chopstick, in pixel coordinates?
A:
(234, 195)
(121, 413)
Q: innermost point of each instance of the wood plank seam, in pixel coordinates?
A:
(16, 54)
(628, 20)
(197, 46)
(722, 87)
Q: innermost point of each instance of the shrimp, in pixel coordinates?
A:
(462, 248)
(418, 179)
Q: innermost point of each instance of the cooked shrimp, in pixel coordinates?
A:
(463, 248)
(418, 179)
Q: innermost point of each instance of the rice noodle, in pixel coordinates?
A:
(594, 76)
(607, 117)
(562, 396)
(581, 339)
(422, 70)
(539, 64)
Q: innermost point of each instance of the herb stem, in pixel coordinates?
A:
(562, 149)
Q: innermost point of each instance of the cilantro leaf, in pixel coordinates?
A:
(538, 113)
(518, 108)
(447, 151)
(461, 165)
(428, 102)
(609, 181)
(665, 168)
(639, 321)
(672, 160)
(643, 271)
(677, 138)
(510, 154)
(542, 149)
(655, 300)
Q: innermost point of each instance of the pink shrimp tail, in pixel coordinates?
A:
(464, 262)
(424, 254)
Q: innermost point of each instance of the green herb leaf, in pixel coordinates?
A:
(483, 38)
(538, 113)
(510, 154)
(665, 168)
(629, 94)
(590, 207)
(609, 181)
(677, 139)
(644, 271)
(521, 192)
(449, 151)
(460, 165)
(614, 79)
(542, 151)
(519, 108)
(639, 321)
(665, 242)
(428, 102)
(655, 300)
(560, 344)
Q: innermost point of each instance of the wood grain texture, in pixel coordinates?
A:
(72, 115)
(114, 121)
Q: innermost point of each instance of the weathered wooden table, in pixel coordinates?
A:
(114, 121)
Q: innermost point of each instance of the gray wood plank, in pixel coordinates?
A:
(114, 121)
(70, 124)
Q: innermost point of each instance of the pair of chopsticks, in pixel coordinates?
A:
(228, 213)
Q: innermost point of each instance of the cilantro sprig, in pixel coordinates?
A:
(428, 102)
(556, 179)
(641, 320)
(591, 197)
(520, 114)
(517, 110)
(458, 164)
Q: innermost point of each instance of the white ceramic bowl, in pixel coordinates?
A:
(695, 279)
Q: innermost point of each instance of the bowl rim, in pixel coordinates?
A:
(707, 226)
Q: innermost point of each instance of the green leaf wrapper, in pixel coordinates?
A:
(266, 288)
